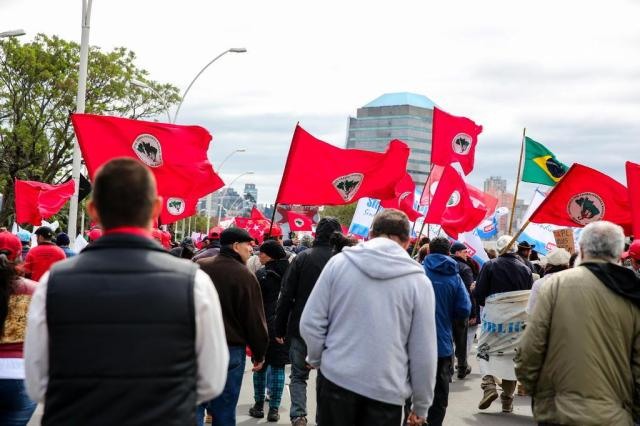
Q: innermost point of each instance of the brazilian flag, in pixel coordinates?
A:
(541, 165)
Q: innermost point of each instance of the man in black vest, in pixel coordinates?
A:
(124, 333)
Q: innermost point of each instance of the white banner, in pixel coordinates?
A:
(363, 216)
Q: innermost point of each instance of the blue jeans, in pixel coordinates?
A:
(223, 408)
(299, 377)
(15, 406)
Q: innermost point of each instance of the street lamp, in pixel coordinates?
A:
(210, 196)
(232, 50)
(12, 33)
(80, 101)
(224, 193)
(144, 85)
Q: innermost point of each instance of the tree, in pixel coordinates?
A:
(344, 213)
(38, 87)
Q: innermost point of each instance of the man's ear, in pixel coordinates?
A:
(93, 212)
(156, 211)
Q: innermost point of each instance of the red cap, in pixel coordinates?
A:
(156, 234)
(214, 233)
(10, 245)
(634, 251)
(94, 234)
(276, 231)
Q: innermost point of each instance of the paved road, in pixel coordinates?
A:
(463, 405)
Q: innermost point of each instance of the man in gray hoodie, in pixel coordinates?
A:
(369, 326)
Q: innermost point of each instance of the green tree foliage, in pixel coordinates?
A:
(38, 87)
(344, 213)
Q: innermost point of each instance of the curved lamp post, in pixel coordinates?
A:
(224, 193)
(142, 84)
(12, 33)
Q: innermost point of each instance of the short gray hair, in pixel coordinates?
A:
(602, 240)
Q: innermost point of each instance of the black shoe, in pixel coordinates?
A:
(273, 415)
(257, 410)
(463, 372)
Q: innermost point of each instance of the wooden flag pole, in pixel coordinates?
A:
(515, 196)
(515, 237)
(424, 188)
(273, 217)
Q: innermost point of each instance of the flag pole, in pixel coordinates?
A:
(515, 196)
(273, 217)
(515, 237)
(424, 188)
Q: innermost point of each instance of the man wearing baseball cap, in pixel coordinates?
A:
(633, 254)
(40, 258)
(243, 316)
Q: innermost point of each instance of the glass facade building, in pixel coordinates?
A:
(404, 116)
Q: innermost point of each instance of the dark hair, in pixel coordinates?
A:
(440, 245)
(491, 253)
(124, 192)
(339, 241)
(8, 283)
(423, 241)
(572, 259)
(549, 269)
(534, 255)
(423, 252)
(391, 222)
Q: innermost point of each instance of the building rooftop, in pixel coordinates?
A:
(402, 98)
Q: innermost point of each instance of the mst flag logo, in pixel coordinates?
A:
(585, 208)
(454, 200)
(348, 185)
(298, 222)
(175, 206)
(461, 143)
(148, 150)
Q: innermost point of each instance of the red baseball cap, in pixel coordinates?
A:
(214, 233)
(10, 245)
(634, 251)
(94, 234)
(276, 231)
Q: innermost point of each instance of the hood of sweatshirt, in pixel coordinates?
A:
(382, 258)
(441, 264)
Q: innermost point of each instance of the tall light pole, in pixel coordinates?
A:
(12, 33)
(80, 101)
(224, 193)
(210, 196)
(144, 85)
(232, 50)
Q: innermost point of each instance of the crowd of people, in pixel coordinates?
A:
(133, 332)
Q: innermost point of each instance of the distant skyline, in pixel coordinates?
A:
(569, 71)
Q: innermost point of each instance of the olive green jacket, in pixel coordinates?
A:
(579, 356)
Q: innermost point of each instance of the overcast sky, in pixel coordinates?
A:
(567, 70)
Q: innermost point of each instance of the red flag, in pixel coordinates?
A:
(36, 200)
(633, 189)
(177, 156)
(582, 196)
(404, 199)
(299, 222)
(452, 206)
(257, 214)
(255, 227)
(319, 173)
(454, 139)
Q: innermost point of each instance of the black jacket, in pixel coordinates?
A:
(297, 285)
(502, 274)
(466, 274)
(121, 323)
(270, 279)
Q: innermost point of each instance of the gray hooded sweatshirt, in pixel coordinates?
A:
(369, 325)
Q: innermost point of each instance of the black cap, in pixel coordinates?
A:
(525, 245)
(273, 249)
(457, 247)
(44, 232)
(326, 227)
(234, 235)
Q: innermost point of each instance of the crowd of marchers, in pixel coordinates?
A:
(126, 333)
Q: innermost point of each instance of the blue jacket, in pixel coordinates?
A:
(452, 299)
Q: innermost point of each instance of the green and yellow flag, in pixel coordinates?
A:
(541, 165)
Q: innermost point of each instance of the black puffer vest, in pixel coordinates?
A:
(121, 336)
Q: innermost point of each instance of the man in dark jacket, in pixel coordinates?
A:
(524, 252)
(243, 315)
(124, 333)
(460, 254)
(296, 288)
(500, 275)
(452, 304)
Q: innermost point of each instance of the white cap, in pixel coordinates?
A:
(558, 256)
(502, 243)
